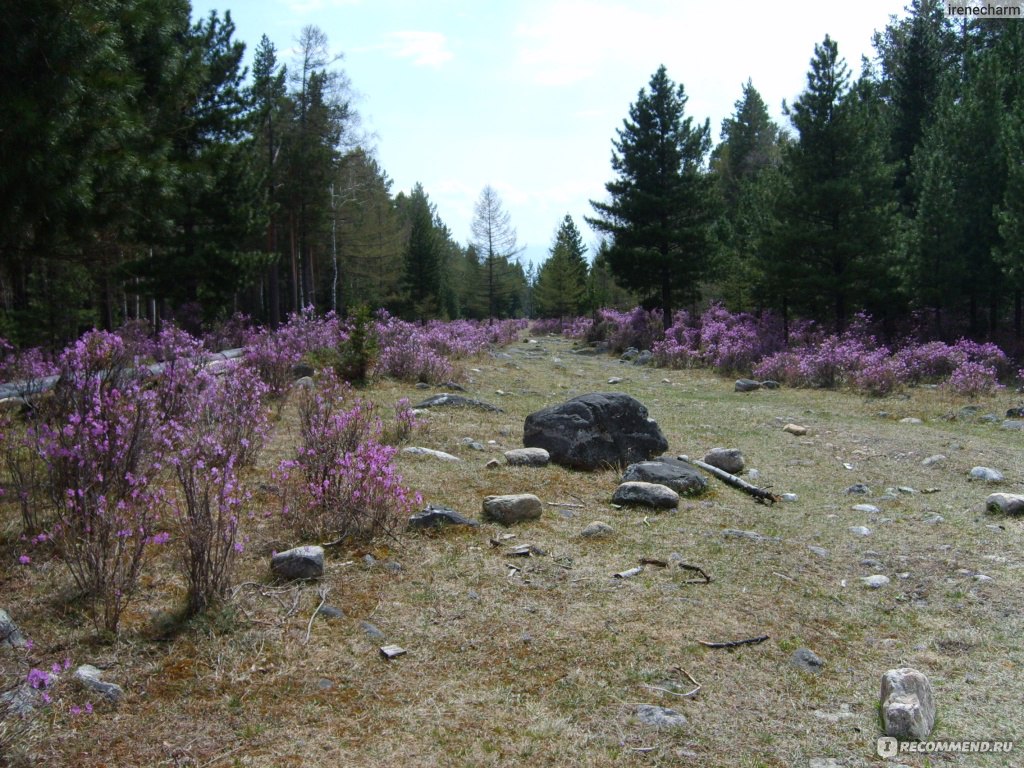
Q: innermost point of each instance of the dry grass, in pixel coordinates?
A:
(545, 664)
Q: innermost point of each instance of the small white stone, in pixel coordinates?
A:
(875, 582)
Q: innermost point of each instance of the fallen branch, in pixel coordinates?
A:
(705, 579)
(735, 643)
(687, 695)
(761, 495)
(565, 504)
(323, 599)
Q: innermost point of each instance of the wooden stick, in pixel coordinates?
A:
(761, 495)
(735, 643)
(705, 579)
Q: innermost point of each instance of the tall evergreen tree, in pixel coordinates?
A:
(560, 288)
(662, 205)
(836, 208)
(421, 279)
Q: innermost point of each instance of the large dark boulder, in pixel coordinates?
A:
(595, 431)
(681, 476)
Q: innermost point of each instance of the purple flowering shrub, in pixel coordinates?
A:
(96, 439)
(720, 340)
(221, 430)
(274, 354)
(342, 481)
(972, 378)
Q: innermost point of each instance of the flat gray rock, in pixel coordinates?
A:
(299, 563)
(807, 660)
(679, 475)
(733, 533)
(986, 474)
(746, 385)
(934, 461)
(645, 495)
(596, 530)
(447, 400)
(527, 457)
(10, 635)
(435, 516)
(1007, 503)
(659, 717)
(90, 678)
(512, 508)
(415, 450)
(870, 509)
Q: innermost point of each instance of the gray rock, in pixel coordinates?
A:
(90, 678)
(1006, 503)
(10, 635)
(1015, 425)
(911, 420)
(870, 509)
(645, 494)
(877, 581)
(679, 475)
(727, 459)
(492, 464)
(331, 612)
(644, 358)
(795, 429)
(306, 382)
(527, 457)
(986, 474)
(936, 460)
(446, 400)
(435, 516)
(298, 563)
(659, 717)
(615, 380)
(747, 385)
(858, 489)
(819, 551)
(934, 520)
(733, 533)
(422, 385)
(597, 530)
(908, 705)
(790, 497)
(1015, 413)
(469, 442)
(512, 508)
(630, 354)
(393, 566)
(415, 450)
(807, 660)
(770, 384)
(595, 431)
(860, 530)
(371, 630)
(20, 701)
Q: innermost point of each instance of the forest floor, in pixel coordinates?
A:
(544, 660)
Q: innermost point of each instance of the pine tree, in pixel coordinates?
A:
(495, 241)
(421, 279)
(662, 205)
(836, 207)
(560, 287)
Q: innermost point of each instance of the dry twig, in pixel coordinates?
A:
(735, 643)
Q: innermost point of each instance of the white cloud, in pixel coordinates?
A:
(425, 49)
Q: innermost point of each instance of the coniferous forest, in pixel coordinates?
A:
(146, 175)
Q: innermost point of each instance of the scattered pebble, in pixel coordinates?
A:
(935, 460)
(596, 530)
(987, 474)
(870, 509)
(860, 530)
(875, 582)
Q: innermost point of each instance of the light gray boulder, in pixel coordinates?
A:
(298, 563)
(908, 705)
(646, 495)
(512, 508)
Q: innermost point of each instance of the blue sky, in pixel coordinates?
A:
(526, 95)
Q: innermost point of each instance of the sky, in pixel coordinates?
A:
(526, 95)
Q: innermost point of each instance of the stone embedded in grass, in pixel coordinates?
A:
(298, 563)
(908, 705)
(934, 461)
(860, 530)
(770, 384)
(615, 380)
(597, 530)
(331, 612)
(679, 475)
(1006, 503)
(819, 551)
(435, 516)
(807, 660)
(446, 400)
(512, 508)
(789, 497)
(10, 635)
(659, 717)
(632, 493)
(746, 385)
(795, 429)
(527, 457)
(20, 701)
(89, 677)
(986, 474)
(877, 581)
(870, 509)
(1015, 425)
(733, 533)
(911, 420)
(858, 489)
(415, 450)
(726, 459)
(371, 630)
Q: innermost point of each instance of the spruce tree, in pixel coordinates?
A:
(662, 205)
(560, 288)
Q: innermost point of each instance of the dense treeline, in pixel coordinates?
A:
(145, 175)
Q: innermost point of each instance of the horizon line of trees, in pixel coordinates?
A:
(147, 176)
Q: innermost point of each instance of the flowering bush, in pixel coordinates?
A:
(972, 378)
(342, 480)
(96, 441)
(274, 354)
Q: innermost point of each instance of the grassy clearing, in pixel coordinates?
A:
(546, 664)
